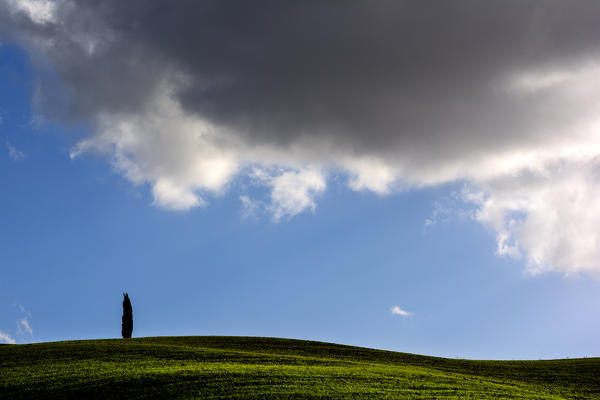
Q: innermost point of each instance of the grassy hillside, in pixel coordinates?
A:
(265, 368)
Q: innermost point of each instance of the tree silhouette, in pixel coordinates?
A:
(127, 320)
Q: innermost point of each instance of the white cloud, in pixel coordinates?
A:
(14, 153)
(187, 158)
(396, 310)
(546, 215)
(170, 195)
(181, 156)
(370, 173)
(456, 205)
(294, 191)
(6, 338)
(533, 82)
(23, 309)
(39, 11)
(23, 327)
(249, 207)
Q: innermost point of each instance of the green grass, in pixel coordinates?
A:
(211, 367)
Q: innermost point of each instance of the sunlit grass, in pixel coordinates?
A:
(262, 368)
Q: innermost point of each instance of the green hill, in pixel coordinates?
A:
(267, 368)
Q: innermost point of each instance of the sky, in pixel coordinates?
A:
(403, 175)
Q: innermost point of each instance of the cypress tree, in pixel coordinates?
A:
(127, 320)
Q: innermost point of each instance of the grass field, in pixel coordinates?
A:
(265, 368)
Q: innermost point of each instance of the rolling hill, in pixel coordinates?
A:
(210, 367)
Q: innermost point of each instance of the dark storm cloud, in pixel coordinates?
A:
(369, 74)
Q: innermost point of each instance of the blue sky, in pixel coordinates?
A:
(77, 231)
